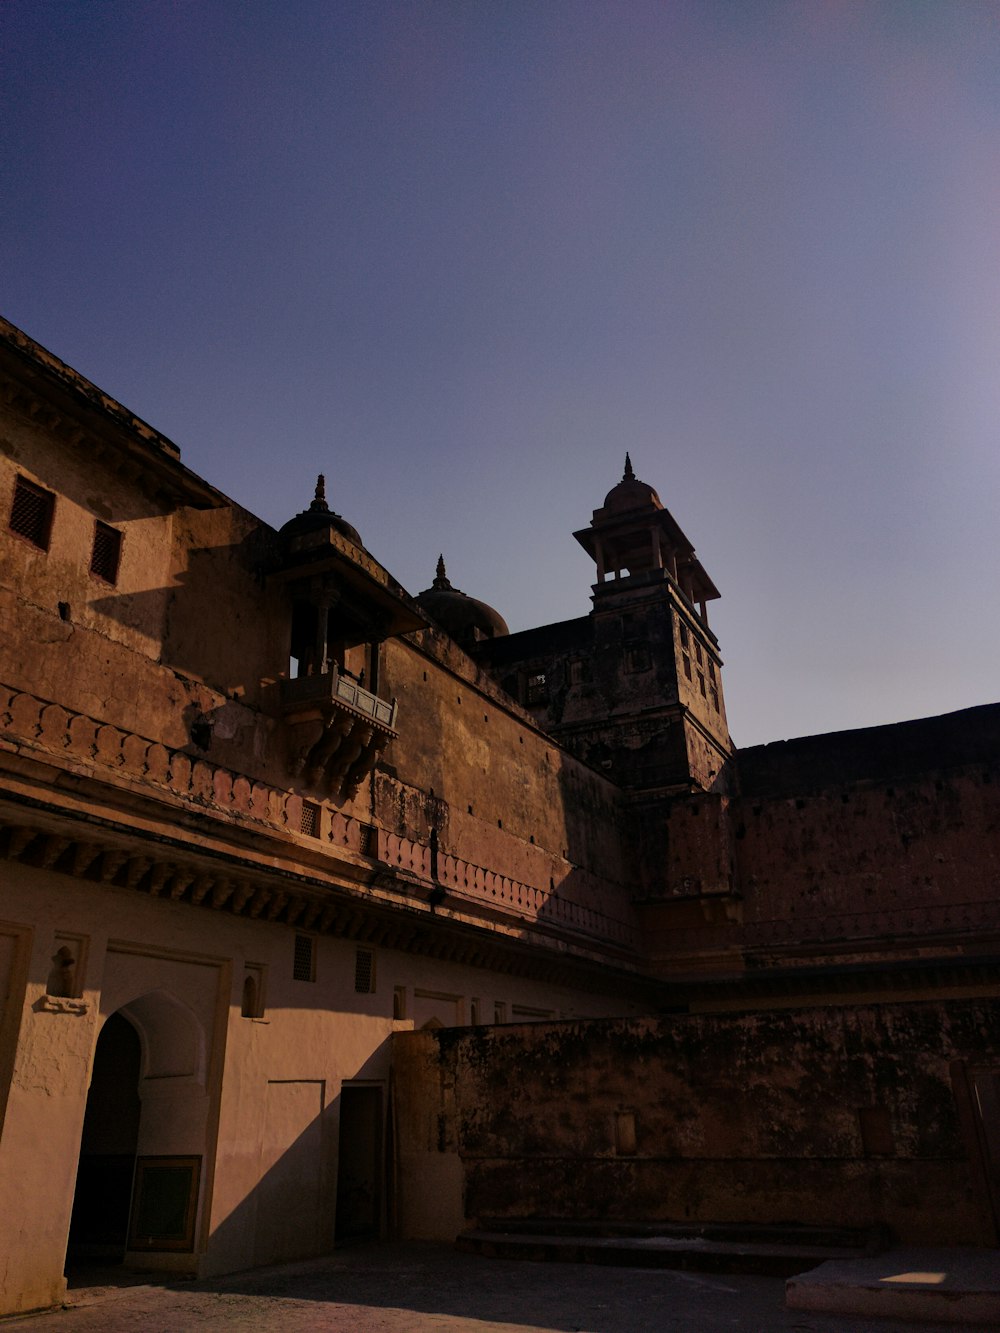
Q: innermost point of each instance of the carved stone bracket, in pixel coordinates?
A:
(337, 730)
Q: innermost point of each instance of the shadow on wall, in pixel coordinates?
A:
(221, 584)
(323, 1177)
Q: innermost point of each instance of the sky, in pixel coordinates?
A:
(460, 255)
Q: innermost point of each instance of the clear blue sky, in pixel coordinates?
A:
(461, 255)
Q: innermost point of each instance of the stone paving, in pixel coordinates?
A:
(421, 1288)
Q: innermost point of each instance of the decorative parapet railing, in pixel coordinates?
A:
(511, 896)
(74, 736)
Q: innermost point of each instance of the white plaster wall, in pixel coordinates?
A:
(240, 1101)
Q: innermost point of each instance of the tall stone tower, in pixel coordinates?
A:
(634, 688)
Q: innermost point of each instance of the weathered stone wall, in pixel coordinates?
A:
(752, 1117)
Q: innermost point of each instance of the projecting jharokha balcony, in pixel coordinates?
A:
(338, 728)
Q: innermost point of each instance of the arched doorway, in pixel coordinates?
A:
(141, 1150)
(99, 1226)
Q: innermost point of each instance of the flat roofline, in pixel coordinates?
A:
(157, 454)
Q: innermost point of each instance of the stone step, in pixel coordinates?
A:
(691, 1252)
(866, 1240)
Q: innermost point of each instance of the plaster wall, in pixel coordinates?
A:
(753, 1117)
(256, 1098)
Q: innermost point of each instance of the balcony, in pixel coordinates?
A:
(337, 729)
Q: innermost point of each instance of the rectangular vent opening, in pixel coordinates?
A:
(368, 840)
(364, 972)
(309, 823)
(31, 513)
(106, 555)
(304, 966)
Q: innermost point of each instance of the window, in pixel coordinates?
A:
(711, 671)
(537, 693)
(684, 636)
(309, 822)
(687, 666)
(474, 1010)
(399, 1002)
(364, 972)
(698, 653)
(701, 685)
(576, 671)
(107, 551)
(715, 698)
(368, 840)
(304, 966)
(637, 659)
(499, 1012)
(31, 513)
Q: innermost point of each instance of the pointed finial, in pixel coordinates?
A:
(629, 474)
(319, 499)
(441, 578)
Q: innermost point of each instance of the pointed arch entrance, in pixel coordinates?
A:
(99, 1227)
(137, 1186)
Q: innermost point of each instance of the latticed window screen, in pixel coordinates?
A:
(364, 972)
(367, 847)
(310, 819)
(31, 513)
(105, 557)
(304, 966)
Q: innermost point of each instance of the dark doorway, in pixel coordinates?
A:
(99, 1227)
(359, 1169)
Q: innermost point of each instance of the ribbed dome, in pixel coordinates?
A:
(319, 516)
(459, 615)
(630, 493)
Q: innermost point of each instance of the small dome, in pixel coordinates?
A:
(630, 493)
(464, 618)
(319, 516)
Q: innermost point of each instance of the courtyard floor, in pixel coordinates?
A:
(424, 1288)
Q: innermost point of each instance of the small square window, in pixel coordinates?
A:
(364, 972)
(107, 552)
(309, 822)
(304, 966)
(31, 513)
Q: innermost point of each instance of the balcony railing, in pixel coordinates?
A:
(335, 687)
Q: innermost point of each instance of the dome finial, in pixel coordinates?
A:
(441, 580)
(319, 499)
(629, 474)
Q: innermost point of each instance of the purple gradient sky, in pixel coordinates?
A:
(461, 256)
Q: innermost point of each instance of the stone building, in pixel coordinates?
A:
(263, 813)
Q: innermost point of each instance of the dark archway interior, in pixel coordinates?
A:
(99, 1226)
